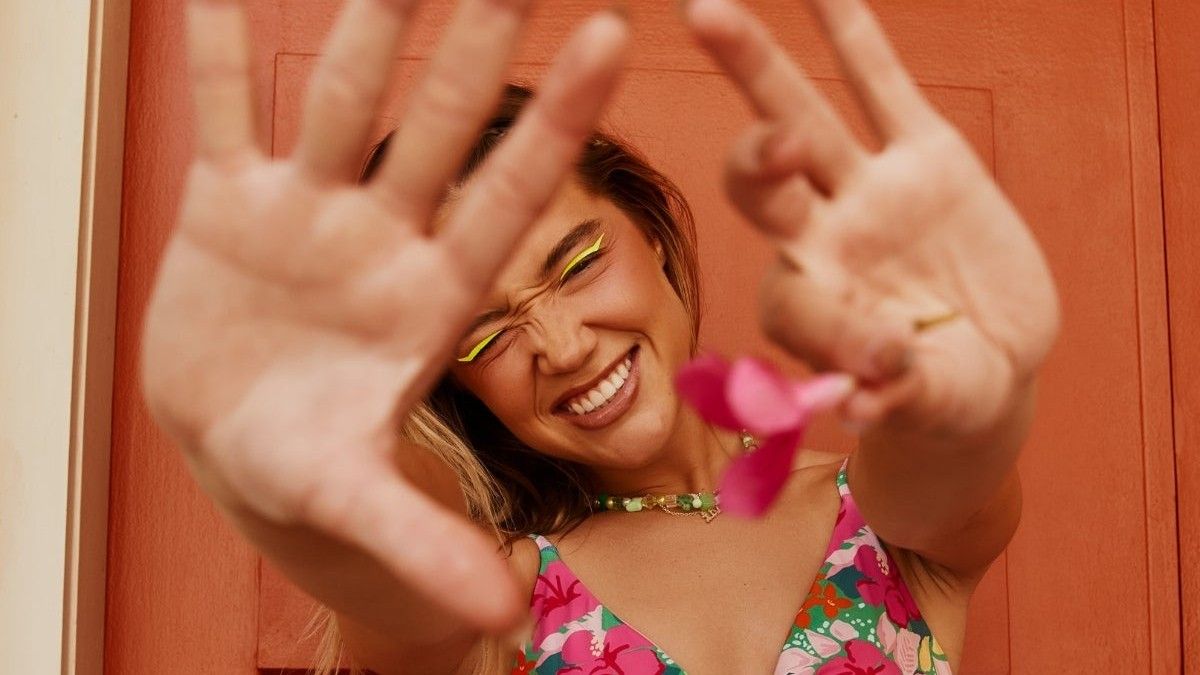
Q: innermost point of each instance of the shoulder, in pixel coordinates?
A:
(524, 561)
(818, 464)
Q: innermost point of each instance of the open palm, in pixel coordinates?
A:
(297, 316)
(871, 242)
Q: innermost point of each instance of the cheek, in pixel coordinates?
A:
(637, 297)
(504, 388)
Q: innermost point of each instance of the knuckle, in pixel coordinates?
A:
(340, 86)
(511, 190)
(556, 122)
(445, 101)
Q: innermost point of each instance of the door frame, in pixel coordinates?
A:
(1177, 25)
(63, 108)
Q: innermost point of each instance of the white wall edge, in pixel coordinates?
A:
(95, 338)
(62, 110)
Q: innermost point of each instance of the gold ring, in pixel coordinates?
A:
(927, 323)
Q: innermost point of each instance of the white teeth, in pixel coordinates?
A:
(603, 392)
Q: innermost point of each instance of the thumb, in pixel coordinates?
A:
(436, 552)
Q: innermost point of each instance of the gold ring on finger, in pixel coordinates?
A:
(925, 323)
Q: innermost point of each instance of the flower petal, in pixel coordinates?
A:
(887, 634)
(753, 481)
(868, 659)
(795, 661)
(824, 391)
(761, 399)
(905, 654)
(701, 382)
(825, 646)
(577, 648)
(842, 630)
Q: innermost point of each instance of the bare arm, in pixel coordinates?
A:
(870, 241)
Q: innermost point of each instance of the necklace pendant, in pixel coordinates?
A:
(710, 514)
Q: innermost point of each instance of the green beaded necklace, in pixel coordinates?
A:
(707, 504)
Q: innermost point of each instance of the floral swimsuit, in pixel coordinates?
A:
(859, 618)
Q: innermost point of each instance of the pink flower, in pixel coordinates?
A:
(795, 661)
(862, 658)
(883, 587)
(558, 598)
(624, 652)
(753, 396)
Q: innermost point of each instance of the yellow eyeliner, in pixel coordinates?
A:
(574, 261)
(582, 254)
(479, 347)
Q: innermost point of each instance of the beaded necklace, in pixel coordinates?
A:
(707, 504)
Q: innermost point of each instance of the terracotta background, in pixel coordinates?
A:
(1061, 99)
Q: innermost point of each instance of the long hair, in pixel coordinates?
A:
(511, 489)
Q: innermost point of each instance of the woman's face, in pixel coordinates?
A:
(586, 334)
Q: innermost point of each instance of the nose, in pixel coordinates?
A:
(561, 343)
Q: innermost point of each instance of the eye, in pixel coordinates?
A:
(582, 265)
(581, 262)
(479, 347)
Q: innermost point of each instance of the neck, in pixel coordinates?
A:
(691, 461)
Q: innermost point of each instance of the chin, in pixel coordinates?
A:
(638, 440)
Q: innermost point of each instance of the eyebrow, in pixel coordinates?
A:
(568, 243)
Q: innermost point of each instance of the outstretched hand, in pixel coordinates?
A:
(872, 242)
(297, 316)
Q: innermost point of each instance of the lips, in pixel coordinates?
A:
(618, 403)
(562, 404)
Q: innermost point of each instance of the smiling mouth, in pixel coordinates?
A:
(606, 398)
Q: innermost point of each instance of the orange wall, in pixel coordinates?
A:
(1060, 100)
(1178, 34)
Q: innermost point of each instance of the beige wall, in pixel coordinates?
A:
(62, 65)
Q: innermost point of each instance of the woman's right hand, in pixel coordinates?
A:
(298, 316)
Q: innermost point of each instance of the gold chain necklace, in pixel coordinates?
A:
(706, 504)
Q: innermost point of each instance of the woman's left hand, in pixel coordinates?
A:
(871, 242)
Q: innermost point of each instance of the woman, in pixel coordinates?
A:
(300, 320)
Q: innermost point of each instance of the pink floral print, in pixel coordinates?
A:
(858, 618)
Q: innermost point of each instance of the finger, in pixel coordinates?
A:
(218, 52)
(418, 541)
(450, 105)
(764, 179)
(892, 101)
(347, 86)
(868, 406)
(775, 85)
(524, 173)
(816, 315)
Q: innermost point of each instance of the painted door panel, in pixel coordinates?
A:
(1042, 91)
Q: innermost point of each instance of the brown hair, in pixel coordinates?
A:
(511, 489)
